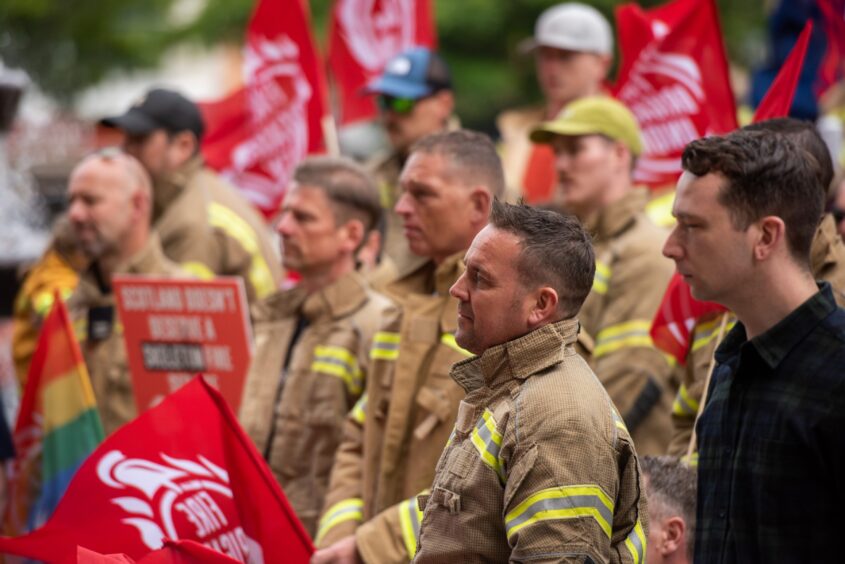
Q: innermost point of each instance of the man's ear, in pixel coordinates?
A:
(445, 103)
(674, 535)
(184, 145)
(480, 203)
(770, 237)
(353, 235)
(544, 308)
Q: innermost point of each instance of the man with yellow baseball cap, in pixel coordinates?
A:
(596, 141)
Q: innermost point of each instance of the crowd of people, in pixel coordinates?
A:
(452, 357)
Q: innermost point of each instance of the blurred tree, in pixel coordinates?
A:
(68, 45)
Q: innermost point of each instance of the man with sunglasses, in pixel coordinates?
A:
(414, 95)
(203, 222)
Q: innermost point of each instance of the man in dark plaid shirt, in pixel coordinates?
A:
(772, 434)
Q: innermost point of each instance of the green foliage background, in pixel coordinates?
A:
(67, 45)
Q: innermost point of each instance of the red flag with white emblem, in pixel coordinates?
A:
(363, 36)
(183, 470)
(674, 78)
(256, 136)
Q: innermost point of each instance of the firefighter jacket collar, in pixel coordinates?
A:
(339, 299)
(618, 216)
(444, 275)
(523, 357)
(167, 189)
(822, 250)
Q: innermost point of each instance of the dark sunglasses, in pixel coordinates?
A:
(395, 104)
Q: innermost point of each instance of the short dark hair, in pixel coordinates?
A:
(671, 491)
(472, 154)
(765, 174)
(804, 133)
(556, 251)
(349, 188)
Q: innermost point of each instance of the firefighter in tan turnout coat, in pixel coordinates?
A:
(396, 433)
(313, 341)
(540, 466)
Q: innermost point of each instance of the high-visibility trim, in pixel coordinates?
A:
(235, 227)
(691, 460)
(410, 518)
(42, 303)
(565, 502)
(80, 329)
(708, 331)
(448, 339)
(684, 405)
(359, 410)
(630, 334)
(339, 362)
(619, 422)
(659, 210)
(351, 509)
(385, 346)
(601, 278)
(636, 543)
(198, 269)
(488, 442)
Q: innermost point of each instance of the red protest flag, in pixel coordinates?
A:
(256, 136)
(674, 78)
(778, 100)
(363, 36)
(173, 552)
(832, 67)
(183, 470)
(675, 318)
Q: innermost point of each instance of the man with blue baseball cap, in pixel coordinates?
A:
(414, 94)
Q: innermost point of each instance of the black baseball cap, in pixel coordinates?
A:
(159, 109)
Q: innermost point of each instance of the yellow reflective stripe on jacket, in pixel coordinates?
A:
(488, 442)
(80, 329)
(636, 543)
(385, 346)
(198, 269)
(623, 335)
(410, 518)
(42, 303)
(448, 339)
(602, 278)
(618, 421)
(565, 502)
(691, 460)
(351, 509)
(359, 410)
(684, 404)
(708, 331)
(337, 361)
(235, 227)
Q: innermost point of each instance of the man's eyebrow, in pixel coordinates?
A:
(686, 215)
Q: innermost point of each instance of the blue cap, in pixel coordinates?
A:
(415, 73)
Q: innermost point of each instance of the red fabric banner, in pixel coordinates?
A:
(363, 36)
(674, 78)
(256, 136)
(173, 552)
(184, 470)
(778, 100)
(832, 68)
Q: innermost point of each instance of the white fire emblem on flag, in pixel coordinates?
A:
(376, 30)
(177, 488)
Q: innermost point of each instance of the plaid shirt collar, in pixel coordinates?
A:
(776, 343)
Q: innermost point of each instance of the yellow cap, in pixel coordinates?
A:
(590, 116)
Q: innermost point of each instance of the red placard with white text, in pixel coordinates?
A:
(175, 329)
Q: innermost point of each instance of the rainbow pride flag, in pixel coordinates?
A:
(58, 425)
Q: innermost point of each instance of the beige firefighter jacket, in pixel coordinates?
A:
(207, 227)
(295, 415)
(827, 260)
(394, 436)
(106, 357)
(515, 145)
(539, 467)
(631, 277)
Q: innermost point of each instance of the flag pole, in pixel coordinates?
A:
(330, 135)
